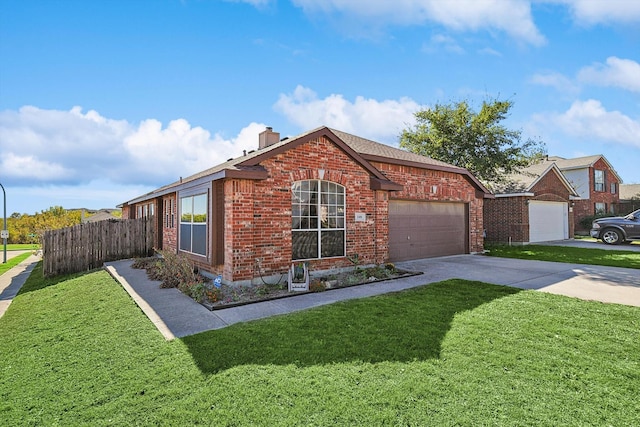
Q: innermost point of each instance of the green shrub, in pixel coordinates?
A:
(585, 222)
(174, 271)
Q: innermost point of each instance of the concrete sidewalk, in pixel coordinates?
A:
(177, 315)
(12, 280)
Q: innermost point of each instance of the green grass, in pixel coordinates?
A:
(12, 262)
(21, 247)
(78, 351)
(611, 258)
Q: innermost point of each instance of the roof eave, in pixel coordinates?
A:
(239, 172)
(453, 169)
(521, 194)
(384, 184)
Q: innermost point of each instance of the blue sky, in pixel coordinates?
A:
(101, 101)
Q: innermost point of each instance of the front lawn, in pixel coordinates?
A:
(78, 351)
(610, 258)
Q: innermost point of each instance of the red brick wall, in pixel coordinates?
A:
(506, 219)
(169, 231)
(258, 213)
(585, 208)
(451, 187)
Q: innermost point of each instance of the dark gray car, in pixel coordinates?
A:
(617, 229)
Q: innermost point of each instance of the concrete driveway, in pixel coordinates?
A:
(589, 282)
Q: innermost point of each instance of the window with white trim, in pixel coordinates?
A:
(193, 224)
(317, 220)
(600, 208)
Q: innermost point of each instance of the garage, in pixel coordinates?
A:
(427, 229)
(548, 221)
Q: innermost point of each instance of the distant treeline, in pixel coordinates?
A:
(25, 228)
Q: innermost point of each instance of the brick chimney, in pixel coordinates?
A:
(268, 137)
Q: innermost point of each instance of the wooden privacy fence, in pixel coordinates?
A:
(87, 246)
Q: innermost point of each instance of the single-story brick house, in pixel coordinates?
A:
(534, 205)
(325, 197)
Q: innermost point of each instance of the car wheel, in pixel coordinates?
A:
(612, 237)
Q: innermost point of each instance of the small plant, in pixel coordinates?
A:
(213, 294)
(355, 259)
(317, 285)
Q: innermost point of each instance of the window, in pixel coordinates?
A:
(169, 213)
(193, 224)
(600, 208)
(614, 188)
(143, 211)
(598, 180)
(317, 220)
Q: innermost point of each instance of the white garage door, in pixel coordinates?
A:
(548, 221)
(427, 229)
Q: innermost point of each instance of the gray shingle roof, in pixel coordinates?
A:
(582, 162)
(629, 191)
(362, 146)
(524, 181)
(368, 147)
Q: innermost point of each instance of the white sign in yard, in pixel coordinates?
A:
(4, 234)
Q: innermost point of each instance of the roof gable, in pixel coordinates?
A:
(527, 178)
(582, 163)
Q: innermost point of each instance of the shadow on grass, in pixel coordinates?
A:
(403, 326)
(37, 281)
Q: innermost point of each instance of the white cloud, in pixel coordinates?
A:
(31, 167)
(512, 17)
(590, 12)
(441, 41)
(489, 51)
(379, 120)
(557, 81)
(590, 120)
(70, 147)
(617, 72)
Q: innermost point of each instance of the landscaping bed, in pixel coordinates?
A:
(176, 271)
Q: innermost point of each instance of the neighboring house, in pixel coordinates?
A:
(532, 206)
(629, 198)
(325, 197)
(100, 215)
(630, 192)
(596, 182)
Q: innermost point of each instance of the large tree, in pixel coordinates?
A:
(477, 141)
